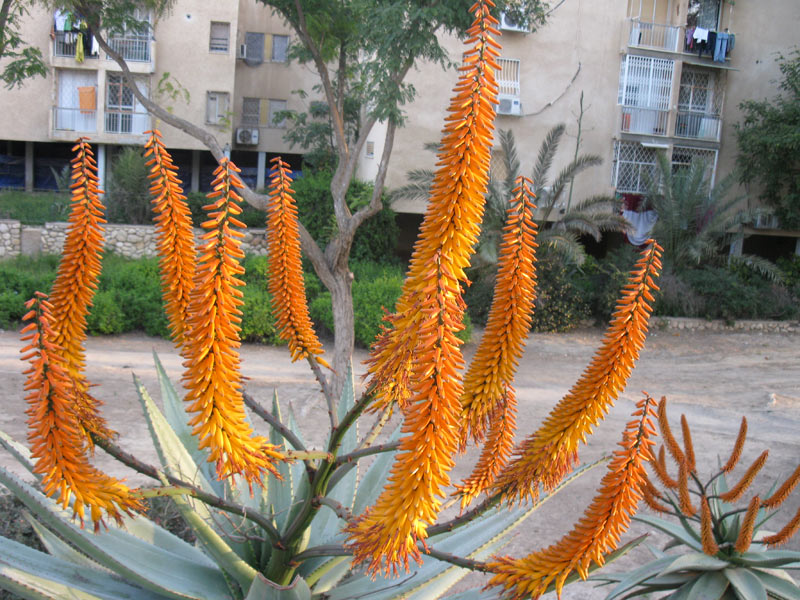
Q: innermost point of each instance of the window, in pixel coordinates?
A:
(508, 77)
(254, 43)
(633, 167)
(370, 151)
(217, 107)
(276, 106)
(703, 13)
(682, 157)
(123, 112)
(219, 38)
(645, 82)
(280, 46)
(251, 111)
(133, 43)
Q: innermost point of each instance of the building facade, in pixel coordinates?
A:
(656, 76)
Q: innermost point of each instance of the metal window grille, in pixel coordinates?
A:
(251, 111)
(276, 106)
(280, 46)
(134, 45)
(683, 156)
(633, 166)
(508, 77)
(219, 39)
(254, 42)
(646, 82)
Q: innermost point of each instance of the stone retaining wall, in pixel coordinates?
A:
(10, 237)
(683, 323)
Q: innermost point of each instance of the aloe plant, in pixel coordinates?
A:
(727, 554)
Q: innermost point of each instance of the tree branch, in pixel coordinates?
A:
(262, 412)
(355, 455)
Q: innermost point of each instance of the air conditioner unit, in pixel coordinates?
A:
(247, 136)
(242, 52)
(508, 23)
(509, 105)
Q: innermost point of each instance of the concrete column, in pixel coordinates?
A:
(261, 171)
(101, 166)
(28, 166)
(736, 246)
(195, 170)
(797, 246)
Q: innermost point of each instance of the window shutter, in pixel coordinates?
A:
(263, 114)
(268, 45)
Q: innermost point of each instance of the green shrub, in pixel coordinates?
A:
(258, 322)
(128, 195)
(106, 316)
(250, 216)
(34, 208)
(478, 296)
(560, 304)
(21, 277)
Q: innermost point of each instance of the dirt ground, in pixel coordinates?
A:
(713, 378)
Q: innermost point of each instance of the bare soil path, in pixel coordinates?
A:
(713, 378)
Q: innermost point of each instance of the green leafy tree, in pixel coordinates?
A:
(769, 144)
(22, 61)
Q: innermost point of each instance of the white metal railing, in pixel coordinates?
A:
(74, 119)
(508, 77)
(647, 121)
(654, 35)
(64, 44)
(124, 121)
(132, 47)
(698, 126)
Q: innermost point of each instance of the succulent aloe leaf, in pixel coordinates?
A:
(695, 561)
(677, 532)
(476, 594)
(299, 479)
(292, 422)
(167, 573)
(781, 587)
(264, 589)
(639, 576)
(58, 548)
(17, 450)
(177, 461)
(178, 419)
(374, 479)
(746, 585)
(709, 586)
(345, 489)
(329, 573)
(35, 575)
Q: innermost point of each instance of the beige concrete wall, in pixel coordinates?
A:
(577, 51)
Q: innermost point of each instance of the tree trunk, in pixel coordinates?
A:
(343, 324)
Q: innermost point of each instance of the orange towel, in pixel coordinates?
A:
(87, 99)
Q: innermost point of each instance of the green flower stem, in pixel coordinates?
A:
(367, 452)
(326, 389)
(459, 561)
(308, 455)
(210, 499)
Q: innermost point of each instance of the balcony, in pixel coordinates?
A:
(132, 47)
(645, 121)
(126, 122)
(654, 35)
(698, 126)
(79, 120)
(64, 45)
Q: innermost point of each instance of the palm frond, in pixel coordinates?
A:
(759, 264)
(544, 160)
(418, 188)
(565, 243)
(510, 158)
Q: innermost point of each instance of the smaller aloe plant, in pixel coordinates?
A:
(730, 556)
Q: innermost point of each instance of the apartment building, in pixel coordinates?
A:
(656, 75)
(221, 65)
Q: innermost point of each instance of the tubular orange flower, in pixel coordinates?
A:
(547, 455)
(666, 432)
(496, 360)
(451, 224)
(745, 537)
(212, 375)
(598, 531)
(710, 545)
(687, 508)
(76, 281)
(660, 467)
(785, 534)
(782, 493)
(423, 344)
(738, 446)
(688, 447)
(496, 452)
(54, 433)
(173, 224)
(286, 283)
(737, 491)
(652, 497)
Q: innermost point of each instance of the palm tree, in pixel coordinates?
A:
(560, 225)
(695, 220)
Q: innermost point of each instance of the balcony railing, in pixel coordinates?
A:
(647, 121)
(654, 35)
(65, 43)
(698, 126)
(74, 119)
(124, 121)
(132, 47)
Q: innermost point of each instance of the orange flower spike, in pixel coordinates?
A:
(710, 545)
(666, 432)
(785, 534)
(76, 281)
(685, 500)
(688, 447)
(738, 446)
(745, 537)
(782, 493)
(652, 497)
(212, 375)
(598, 531)
(452, 221)
(286, 283)
(547, 455)
(660, 467)
(503, 341)
(737, 491)
(58, 446)
(173, 224)
(496, 452)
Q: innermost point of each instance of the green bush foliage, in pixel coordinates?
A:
(34, 208)
(21, 277)
(250, 216)
(560, 303)
(128, 195)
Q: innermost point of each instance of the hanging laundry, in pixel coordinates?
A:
(712, 42)
(641, 224)
(87, 99)
(689, 45)
(700, 34)
(731, 41)
(721, 47)
(79, 53)
(60, 19)
(95, 46)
